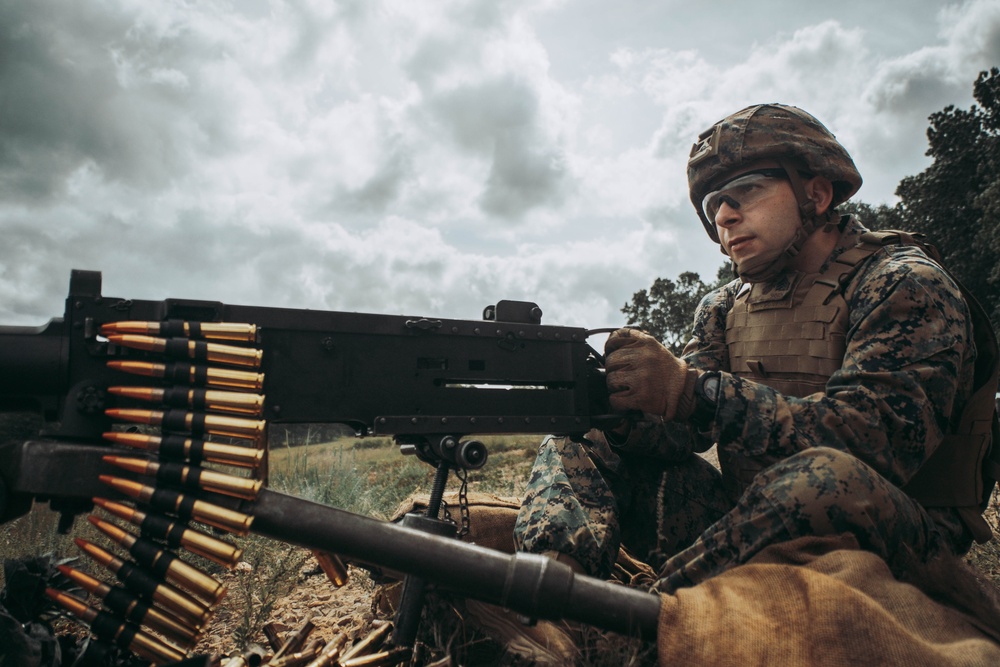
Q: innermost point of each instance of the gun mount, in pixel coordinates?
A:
(429, 383)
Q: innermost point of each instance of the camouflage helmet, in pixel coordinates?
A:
(763, 132)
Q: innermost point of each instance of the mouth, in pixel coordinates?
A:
(736, 244)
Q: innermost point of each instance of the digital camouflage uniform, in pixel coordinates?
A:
(830, 462)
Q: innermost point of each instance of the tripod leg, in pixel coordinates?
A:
(411, 603)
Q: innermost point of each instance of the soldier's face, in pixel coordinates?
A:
(755, 213)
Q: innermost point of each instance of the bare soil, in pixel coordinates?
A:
(330, 609)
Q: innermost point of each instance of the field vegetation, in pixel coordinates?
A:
(367, 476)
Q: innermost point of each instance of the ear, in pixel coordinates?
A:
(820, 190)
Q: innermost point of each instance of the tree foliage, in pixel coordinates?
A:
(874, 217)
(956, 200)
(666, 309)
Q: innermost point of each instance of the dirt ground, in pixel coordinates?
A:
(331, 610)
(351, 609)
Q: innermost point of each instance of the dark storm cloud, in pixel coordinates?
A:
(419, 157)
(42, 67)
(381, 189)
(911, 85)
(500, 121)
(80, 84)
(522, 176)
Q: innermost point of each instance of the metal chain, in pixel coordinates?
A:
(463, 504)
(463, 501)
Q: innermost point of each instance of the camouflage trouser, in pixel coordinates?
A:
(585, 500)
(585, 503)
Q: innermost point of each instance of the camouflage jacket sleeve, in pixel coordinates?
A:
(905, 376)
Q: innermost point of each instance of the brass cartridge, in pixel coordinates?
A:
(333, 567)
(192, 477)
(273, 635)
(182, 348)
(192, 450)
(122, 633)
(196, 376)
(330, 654)
(372, 641)
(231, 331)
(184, 506)
(297, 659)
(208, 400)
(394, 656)
(175, 533)
(132, 608)
(190, 610)
(296, 640)
(192, 422)
(253, 656)
(163, 563)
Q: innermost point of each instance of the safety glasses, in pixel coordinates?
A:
(743, 191)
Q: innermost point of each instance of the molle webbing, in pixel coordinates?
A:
(795, 341)
(962, 471)
(766, 337)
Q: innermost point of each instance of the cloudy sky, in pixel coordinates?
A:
(425, 157)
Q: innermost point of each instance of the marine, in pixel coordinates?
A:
(836, 377)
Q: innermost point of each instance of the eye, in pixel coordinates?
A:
(726, 198)
(744, 189)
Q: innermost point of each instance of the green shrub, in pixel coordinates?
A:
(267, 572)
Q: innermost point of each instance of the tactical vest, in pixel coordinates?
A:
(792, 338)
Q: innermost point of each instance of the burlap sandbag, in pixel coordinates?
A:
(491, 518)
(819, 601)
(811, 601)
(491, 525)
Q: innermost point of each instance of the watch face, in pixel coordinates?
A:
(712, 388)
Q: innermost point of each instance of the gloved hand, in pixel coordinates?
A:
(643, 375)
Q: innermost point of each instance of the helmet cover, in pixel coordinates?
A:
(763, 132)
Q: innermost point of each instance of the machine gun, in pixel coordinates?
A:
(432, 384)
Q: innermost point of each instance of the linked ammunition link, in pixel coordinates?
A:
(190, 445)
(160, 591)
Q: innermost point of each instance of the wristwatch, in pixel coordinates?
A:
(706, 399)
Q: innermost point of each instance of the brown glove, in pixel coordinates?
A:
(643, 375)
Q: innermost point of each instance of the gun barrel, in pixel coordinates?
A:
(378, 374)
(33, 366)
(530, 584)
(527, 583)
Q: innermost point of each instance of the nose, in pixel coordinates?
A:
(727, 214)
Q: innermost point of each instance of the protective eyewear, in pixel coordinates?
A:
(742, 192)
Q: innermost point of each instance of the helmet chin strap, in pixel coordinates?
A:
(764, 269)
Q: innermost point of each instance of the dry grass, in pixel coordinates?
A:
(371, 477)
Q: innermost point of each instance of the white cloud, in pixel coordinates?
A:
(972, 31)
(418, 157)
